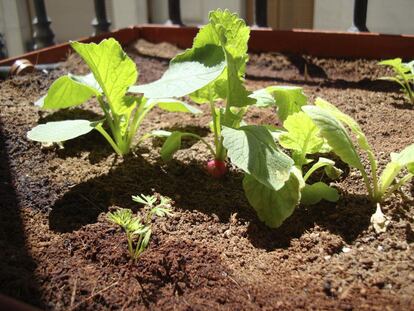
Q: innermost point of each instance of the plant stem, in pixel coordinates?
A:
(138, 247)
(374, 168)
(214, 115)
(130, 248)
(367, 183)
(101, 130)
(121, 147)
(203, 141)
(140, 114)
(106, 112)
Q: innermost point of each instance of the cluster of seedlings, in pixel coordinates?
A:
(276, 162)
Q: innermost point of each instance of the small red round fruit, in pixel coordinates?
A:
(216, 168)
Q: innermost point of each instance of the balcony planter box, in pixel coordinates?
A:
(60, 253)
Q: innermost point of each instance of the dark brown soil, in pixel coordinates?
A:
(59, 252)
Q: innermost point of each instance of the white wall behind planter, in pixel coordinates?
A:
(385, 16)
(72, 19)
(194, 12)
(15, 25)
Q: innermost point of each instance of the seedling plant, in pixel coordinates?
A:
(138, 229)
(225, 38)
(403, 75)
(332, 124)
(112, 74)
(272, 182)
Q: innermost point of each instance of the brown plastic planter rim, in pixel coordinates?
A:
(296, 41)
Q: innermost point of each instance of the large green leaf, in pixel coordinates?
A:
(179, 80)
(349, 121)
(229, 32)
(68, 91)
(312, 194)
(88, 80)
(111, 67)
(273, 207)
(252, 149)
(53, 132)
(302, 134)
(288, 99)
(191, 70)
(336, 135)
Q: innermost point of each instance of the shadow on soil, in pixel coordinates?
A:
(191, 189)
(364, 84)
(347, 219)
(188, 185)
(406, 105)
(16, 265)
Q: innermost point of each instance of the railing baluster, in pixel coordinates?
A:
(100, 22)
(174, 12)
(260, 13)
(3, 53)
(360, 16)
(43, 36)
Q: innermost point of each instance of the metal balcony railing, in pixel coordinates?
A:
(43, 35)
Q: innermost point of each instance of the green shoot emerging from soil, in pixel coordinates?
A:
(403, 75)
(137, 229)
(112, 74)
(332, 125)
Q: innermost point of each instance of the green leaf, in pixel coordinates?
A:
(139, 199)
(288, 99)
(67, 91)
(229, 32)
(146, 239)
(398, 66)
(336, 135)
(350, 122)
(171, 145)
(312, 194)
(273, 207)
(122, 217)
(398, 161)
(135, 226)
(252, 149)
(405, 157)
(161, 211)
(125, 110)
(410, 168)
(187, 73)
(396, 62)
(111, 67)
(263, 98)
(333, 172)
(175, 105)
(322, 162)
(53, 132)
(302, 134)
